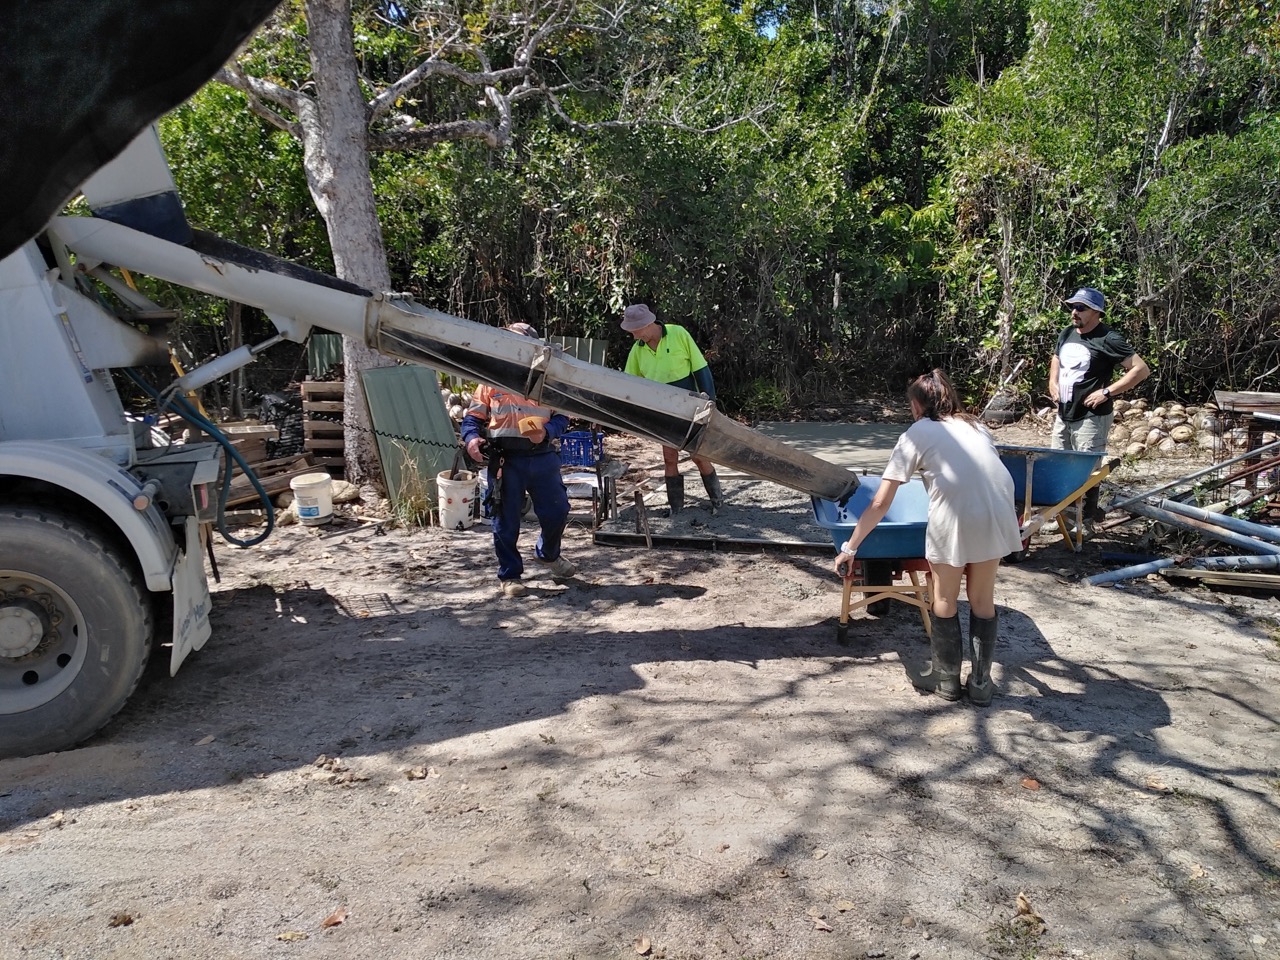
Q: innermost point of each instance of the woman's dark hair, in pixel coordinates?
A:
(937, 397)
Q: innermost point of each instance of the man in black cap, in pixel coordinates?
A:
(1080, 380)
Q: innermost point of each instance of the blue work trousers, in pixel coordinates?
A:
(539, 475)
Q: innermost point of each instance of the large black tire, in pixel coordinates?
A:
(75, 631)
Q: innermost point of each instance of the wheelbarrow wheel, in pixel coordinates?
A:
(877, 573)
(1017, 556)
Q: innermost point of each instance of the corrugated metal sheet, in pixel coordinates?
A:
(405, 402)
(583, 348)
(324, 353)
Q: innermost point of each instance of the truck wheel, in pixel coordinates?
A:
(75, 631)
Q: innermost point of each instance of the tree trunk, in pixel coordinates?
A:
(337, 166)
(1004, 267)
(235, 337)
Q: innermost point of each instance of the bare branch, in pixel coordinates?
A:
(257, 90)
(428, 135)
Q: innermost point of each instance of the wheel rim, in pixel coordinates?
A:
(43, 641)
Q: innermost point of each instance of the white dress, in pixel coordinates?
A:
(972, 517)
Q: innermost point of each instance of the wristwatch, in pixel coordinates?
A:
(1106, 392)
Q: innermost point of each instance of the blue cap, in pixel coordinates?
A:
(1088, 297)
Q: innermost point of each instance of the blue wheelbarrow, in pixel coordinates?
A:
(895, 547)
(1048, 483)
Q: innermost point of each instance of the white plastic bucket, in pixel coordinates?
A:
(313, 498)
(457, 499)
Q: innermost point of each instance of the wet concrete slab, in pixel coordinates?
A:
(757, 512)
(859, 446)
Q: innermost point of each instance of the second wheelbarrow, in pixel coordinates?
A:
(1048, 483)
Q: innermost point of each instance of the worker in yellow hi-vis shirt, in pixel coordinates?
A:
(666, 353)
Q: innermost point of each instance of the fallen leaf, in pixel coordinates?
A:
(816, 913)
(641, 945)
(204, 741)
(404, 696)
(1027, 914)
(335, 918)
(120, 920)
(1156, 784)
(1143, 736)
(1197, 872)
(845, 905)
(290, 935)
(820, 924)
(782, 872)
(1031, 783)
(416, 773)
(819, 854)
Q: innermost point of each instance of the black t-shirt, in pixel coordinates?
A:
(1085, 364)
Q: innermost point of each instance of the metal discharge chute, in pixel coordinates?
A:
(296, 298)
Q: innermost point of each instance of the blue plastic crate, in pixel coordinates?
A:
(581, 448)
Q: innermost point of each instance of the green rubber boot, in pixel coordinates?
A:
(942, 675)
(675, 494)
(712, 482)
(982, 650)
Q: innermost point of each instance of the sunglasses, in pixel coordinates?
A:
(1079, 308)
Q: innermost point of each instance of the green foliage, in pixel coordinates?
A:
(1089, 148)
(905, 185)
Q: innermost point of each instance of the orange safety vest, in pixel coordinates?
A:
(504, 410)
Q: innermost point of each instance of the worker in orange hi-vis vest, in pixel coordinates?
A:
(521, 459)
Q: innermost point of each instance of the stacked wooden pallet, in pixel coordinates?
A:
(274, 475)
(322, 422)
(250, 440)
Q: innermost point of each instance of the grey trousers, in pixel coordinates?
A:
(1088, 435)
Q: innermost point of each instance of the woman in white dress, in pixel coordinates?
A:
(972, 525)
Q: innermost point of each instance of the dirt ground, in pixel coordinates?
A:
(376, 756)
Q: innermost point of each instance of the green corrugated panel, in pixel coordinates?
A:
(324, 353)
(405, 401)
(583, 348)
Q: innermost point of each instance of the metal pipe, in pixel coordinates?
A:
(1269, 562)
(1124, 504)
(1204, 527)
(1128, 573)
(1270, 534)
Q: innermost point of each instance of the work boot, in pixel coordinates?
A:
(712, 482)
(559, 568)
(675, 494)
(1093, 513)
(982, 650)
(942, 675)
(513, 588)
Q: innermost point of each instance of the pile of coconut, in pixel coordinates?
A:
(1171, 429)
(456, 402)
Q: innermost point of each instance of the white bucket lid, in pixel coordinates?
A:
(310, 480)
